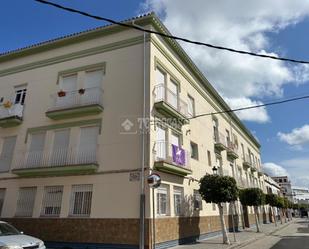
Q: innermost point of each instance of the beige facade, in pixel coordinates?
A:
(77, 144)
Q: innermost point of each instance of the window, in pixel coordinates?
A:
(163, 200)
(280, 180)
(160, 143)
(2, 196)
(52, 198)
(7, 153)
(197, 200)
(81, 197)
(20, 95)
(215, 128)
(191, 106)
(25, 201)
(228, 138)
(243, 151)
(178, 199)
(93, 79)
(194, 150)
(284, 180)
(209, 158)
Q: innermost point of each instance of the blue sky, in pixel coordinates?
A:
(256, 28)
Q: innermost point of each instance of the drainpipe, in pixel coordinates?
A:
(142, 193)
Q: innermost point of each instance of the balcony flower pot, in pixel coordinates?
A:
(7, 104)
(61, 93)
(81, 91)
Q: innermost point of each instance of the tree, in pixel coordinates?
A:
(219, 189)
(271, 200)
(280, 205)
(252, 197)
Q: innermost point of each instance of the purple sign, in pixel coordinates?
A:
(179, 155)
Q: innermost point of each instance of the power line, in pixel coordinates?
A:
(253, 107)
(171, 36)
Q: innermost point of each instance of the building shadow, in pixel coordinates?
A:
(296, 242)
(233, 218)
(189, 222)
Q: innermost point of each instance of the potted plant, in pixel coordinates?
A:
(81, 91)
(7, 104)
(61, 93)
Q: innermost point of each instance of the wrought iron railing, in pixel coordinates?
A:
(164, 151)
(56, 157)
(81, 97)
(163, 93)
(8, 109)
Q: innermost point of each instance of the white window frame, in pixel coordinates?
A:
(161, 191)
(178, 196)
(2, 198)
(197, 200)
(191, 103)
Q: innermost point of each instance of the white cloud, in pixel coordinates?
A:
(273, 169)
(242, 25)
(258, 115)
(298, 169)
(297, 137)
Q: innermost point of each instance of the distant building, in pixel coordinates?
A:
(271, 186)
(300, 195)
(285, 185)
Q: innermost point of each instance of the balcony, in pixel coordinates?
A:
(170, 105)
(171, 159)
(59, 162)
(247, 161)
(11, 114)
(232, 151)
(220, 141)
(74, 104)
(241, 182)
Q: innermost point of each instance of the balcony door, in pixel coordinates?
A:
(160, 85)
(93, 86)
(160, 143)
(88, 145)
(36, 149)
(68, 84)
(7, 153)
(172, 95)
(61, 155)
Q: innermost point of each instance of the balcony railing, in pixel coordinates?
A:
(57, 158)
(11, 114)
(82, 97)
(232, 150)
(163, 93)
(171, 158)
(247, 160)
(220, 140)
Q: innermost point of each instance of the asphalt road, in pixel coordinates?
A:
(295, 236)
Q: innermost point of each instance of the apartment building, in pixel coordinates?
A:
(83, 116)
(300, 195)
(272, 187)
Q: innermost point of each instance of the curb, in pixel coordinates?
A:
(250, 241)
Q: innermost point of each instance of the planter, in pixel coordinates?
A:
(61, 93)
(81, 91)
(7, 104)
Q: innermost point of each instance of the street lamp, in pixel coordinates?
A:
(215, 170)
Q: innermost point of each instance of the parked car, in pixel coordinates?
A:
(11, 238)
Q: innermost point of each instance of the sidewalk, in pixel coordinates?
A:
(243, 238)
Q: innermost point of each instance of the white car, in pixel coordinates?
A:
(11, 238)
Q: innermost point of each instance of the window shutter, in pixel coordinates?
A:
(94, 79)
(35, 154)
(88, 144)
(61, 147)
